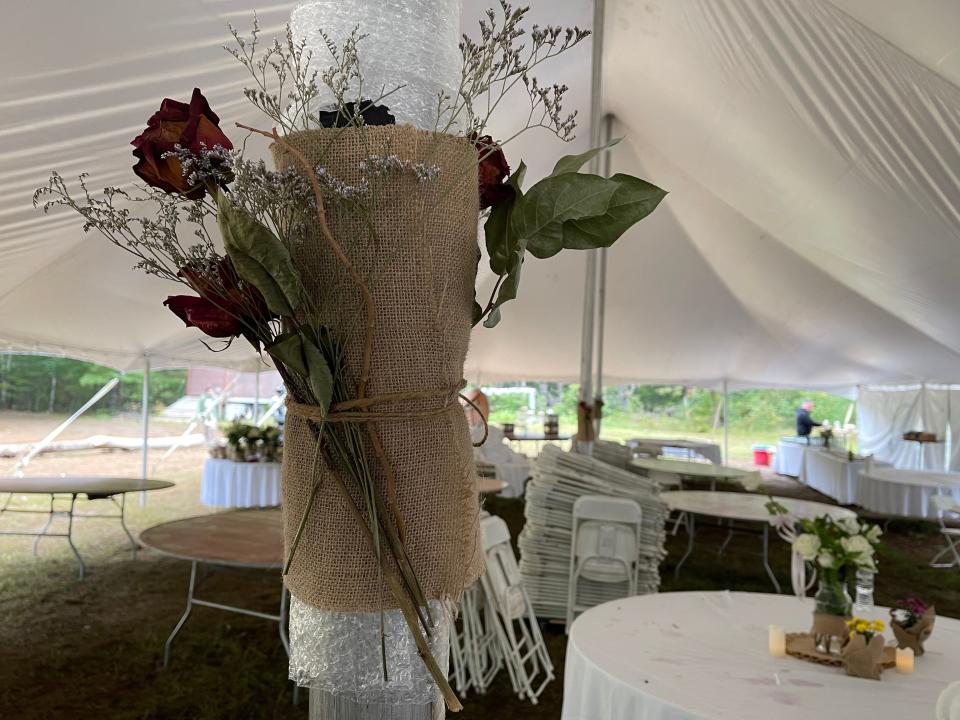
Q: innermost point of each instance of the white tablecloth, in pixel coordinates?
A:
(905, 492)
(227, 483)
(703, 656)
(682, 448)
(789, 459)
(835, 475)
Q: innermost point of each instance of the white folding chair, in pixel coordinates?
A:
(946, 505)
(604, 545)
(509, 610)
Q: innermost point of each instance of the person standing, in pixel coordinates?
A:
(805, 422)
(208, 411)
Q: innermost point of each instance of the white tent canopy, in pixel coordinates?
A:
(810, 148)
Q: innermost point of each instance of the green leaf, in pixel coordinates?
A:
(320, 377)
(633, 200)
(572, 163)
(260, 258)
(505, 248)
(508, 291)
(288, 349)
(539, 216)
(303, 357)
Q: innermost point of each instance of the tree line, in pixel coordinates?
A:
(37, 383)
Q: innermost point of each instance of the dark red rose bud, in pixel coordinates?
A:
(175, 123)
(204, 315)
(493, 172)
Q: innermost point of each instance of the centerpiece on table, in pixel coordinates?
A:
(838, 549)
(249, 443)
(352, 267)
(912, 620)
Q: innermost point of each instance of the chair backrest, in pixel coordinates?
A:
(602, 507)
(945, 503)
(606, 532)
(502, 572)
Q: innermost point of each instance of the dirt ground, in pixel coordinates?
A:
(94, 649)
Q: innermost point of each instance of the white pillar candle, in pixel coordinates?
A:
(777, 641)
(905, 661)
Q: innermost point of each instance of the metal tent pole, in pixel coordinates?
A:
(256, 395)
(726, 423)
(602, 283)
(590, 280)
(145, 410)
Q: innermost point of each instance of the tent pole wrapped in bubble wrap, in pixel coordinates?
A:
(417, 255)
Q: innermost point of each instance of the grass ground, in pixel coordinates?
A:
(94, 649)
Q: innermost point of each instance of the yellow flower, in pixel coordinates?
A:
(861, 626)
(852, 634)
(878, 625)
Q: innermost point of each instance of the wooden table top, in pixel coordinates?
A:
(243, 538)
(93, 486)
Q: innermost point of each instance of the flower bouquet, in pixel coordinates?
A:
(835, 547)
(250, 443)
(912, 620)
(352, 268)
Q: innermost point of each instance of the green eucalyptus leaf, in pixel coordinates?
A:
(572, 163)
(633, 200)
(320, 378)
(508, 291)
(538, 217)
(259, 257)
(288, 349)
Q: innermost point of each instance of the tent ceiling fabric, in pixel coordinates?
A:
(810, 148)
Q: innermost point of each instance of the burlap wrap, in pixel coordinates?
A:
(418, 256)
(914, 637)
(863, 659)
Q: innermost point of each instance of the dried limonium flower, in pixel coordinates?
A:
(283, 201)
(492, 67)
(153, 240)
(340, 189)
(211, 165)
(381, 165)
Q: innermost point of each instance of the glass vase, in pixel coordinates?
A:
(832, 597)
(833, 606)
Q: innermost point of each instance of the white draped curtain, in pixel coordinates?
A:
(885, 414)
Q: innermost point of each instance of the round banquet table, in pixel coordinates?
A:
(93, 487)
(241, 539)
(669, 472)
(226, 483)
(703, 656)
(907, 493)
(743, 507)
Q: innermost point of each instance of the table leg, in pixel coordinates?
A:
(691, 532)
(725, 543)
(83, 567)
(46, 527)
(123, 523)
(766, 556)
(186, 614)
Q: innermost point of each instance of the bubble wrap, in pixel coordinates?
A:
(413, 43)
(340, 653)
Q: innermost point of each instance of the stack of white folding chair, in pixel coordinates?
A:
(498, 625)
(559, 479)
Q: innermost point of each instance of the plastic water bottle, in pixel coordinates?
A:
(863, 602)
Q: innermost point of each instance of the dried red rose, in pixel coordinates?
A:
(201, 313)
(175, 123)
(493, 172)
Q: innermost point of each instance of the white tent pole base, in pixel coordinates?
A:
(326, 706)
